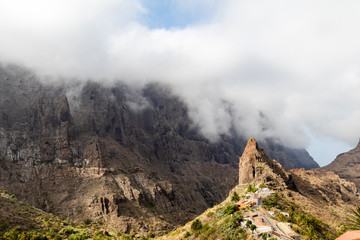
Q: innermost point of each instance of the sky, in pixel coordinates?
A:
(284, 69)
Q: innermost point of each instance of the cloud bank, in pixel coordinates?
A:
(264, 68)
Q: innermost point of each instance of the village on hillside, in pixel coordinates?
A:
(262, 218)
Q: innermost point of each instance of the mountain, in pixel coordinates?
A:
(347, 165)
(301, 204)
(131, 158)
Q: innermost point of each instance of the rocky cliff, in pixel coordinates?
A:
(324, 194)
(130, 158)
(347, 165)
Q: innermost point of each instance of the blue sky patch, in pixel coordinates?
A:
(174, 14)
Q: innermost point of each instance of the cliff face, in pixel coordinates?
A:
(347, 165)
(90, 154)
(321, 192)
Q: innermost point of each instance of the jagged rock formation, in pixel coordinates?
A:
(255, 165)
(87, 153)
(347, 165)
(323, 193)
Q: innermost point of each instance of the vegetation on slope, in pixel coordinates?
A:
(302, 222)
(223, 221)
(22, 222)
(354, 220)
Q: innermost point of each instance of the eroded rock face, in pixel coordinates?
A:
(133, 159)
(255, 165)
(347, 165)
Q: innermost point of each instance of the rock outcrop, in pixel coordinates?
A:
(130, 158)
(255, 165)
(347, 165)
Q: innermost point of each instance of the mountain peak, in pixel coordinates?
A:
(250, 162)
(251, 145)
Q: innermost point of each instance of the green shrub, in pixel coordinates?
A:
(13, 234)
(236, 219)
(235, 197)
(67, 231)
(230, 228)
(151, 234)
(196, 225)
(4, 226)
(210, 214)
(187, 234)
(272, 201)
(353, 222)
(87, 221)
(251, 188)
(248, 223)
(230, 209)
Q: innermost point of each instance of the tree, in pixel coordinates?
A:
(235, 197)
(196, 225)
(354, 220)
(252, 227)
(248, 223)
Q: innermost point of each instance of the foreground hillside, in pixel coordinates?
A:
(275, 218)
(20, 221)
(301, 204)
(130, 157)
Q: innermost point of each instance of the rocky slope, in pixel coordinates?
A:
(320, 192)
(21, 221)
(131, 158)
(347, 165)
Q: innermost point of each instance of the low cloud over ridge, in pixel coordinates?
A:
(279, 68)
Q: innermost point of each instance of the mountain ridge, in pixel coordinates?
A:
(347, 165)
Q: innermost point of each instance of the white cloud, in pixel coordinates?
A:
(267, 68)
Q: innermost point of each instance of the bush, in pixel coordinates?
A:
(235, 197)
(272, 201)
(262, 185)
(67, 231)
(187, 234)
(13, 233)
(230, 228)
(210, 214)
(196, 225)
(230, 209)
(87, 221)
(151, 234)
(248, 223)
(251, 188)
(236, 219)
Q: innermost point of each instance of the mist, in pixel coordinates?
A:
(282, 69)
